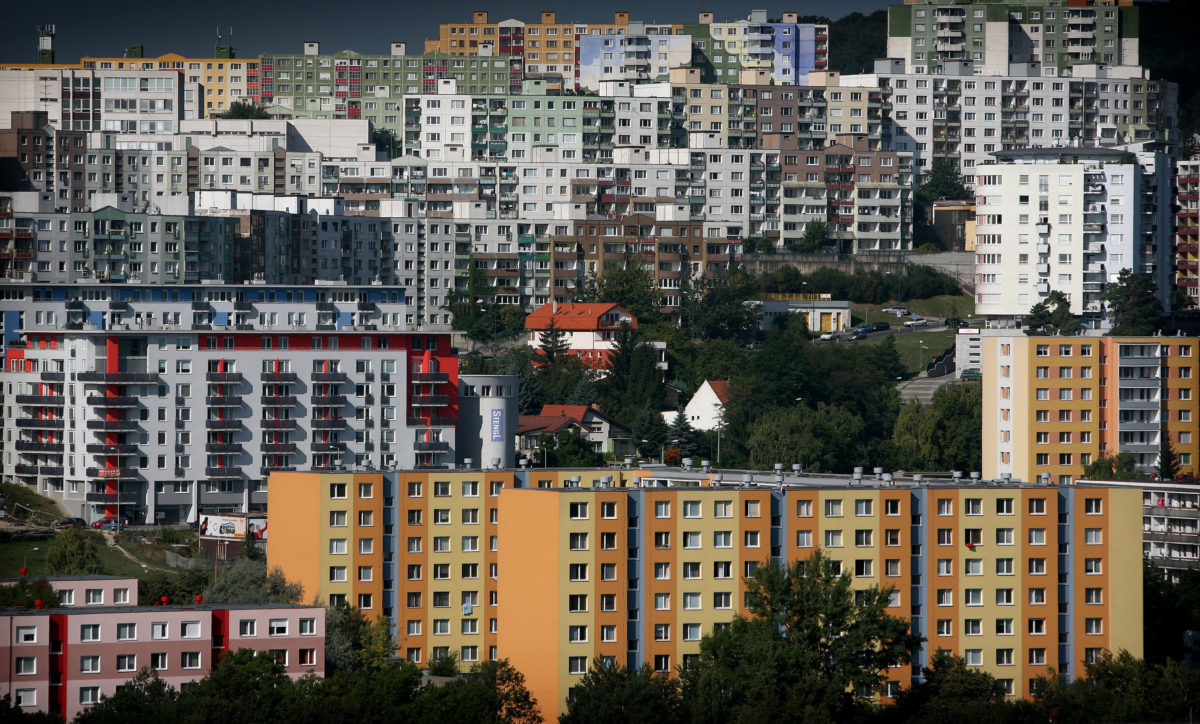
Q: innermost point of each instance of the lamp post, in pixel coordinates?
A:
(25, 562)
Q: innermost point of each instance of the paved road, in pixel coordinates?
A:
(921, 388)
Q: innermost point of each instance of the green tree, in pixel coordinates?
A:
(552, 343)
(681, 429)
(352, 643)
(815, 233)
(823, 439)
(1133, 305)
(633, 381)
(241, 682)
(491, 692)
(810, 650)
(627, 284)
(609, 692)
(1051, 316)
(243, 110)
(1171, 607)
(649, 432)
(144, 698)
(953, 691)
(250, 548)
(74, 552)
(386, 142)
(569, 449)
(943, 435)
(1122, 466)
(724, 307)
(1168, 461)
(444, 664)
(249, 581)
(869, 34)
(153, 584)
(26, 593)
(943, 180)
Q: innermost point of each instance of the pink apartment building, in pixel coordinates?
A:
(63, 659)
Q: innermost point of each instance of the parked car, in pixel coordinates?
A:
(829, 336)
(109, 524)
(916, 322)
(863, 329)
(880, 326)
(956, 322)
(857, 335)
(70, 523)
(972, 374)
(898, 310)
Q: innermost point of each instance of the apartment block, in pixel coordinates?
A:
(161, 403)
(1052, 405)
(964, 118)
(785, 49)
(1170, 526)
(225, 79)
(1187, 229)
(1057, 35)
(637, 565)
(62, 660)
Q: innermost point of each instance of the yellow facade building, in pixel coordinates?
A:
(1052, 405)
(553, 568)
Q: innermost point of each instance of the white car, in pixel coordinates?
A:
(916, 322)
(829, 336)
(899, 311)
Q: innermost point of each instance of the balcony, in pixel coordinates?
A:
(52, 376)
(51, 470)
(112, 473)
(228, 377)
(243, 306)
(278, 468)
(41, 423)
(333, 423)
(430, 400)
(40, 400)
(436, 446)
(278, 447)
(223, 424)
(223, 401)
(113, 425)
(278, 400)
(321, 447)
(96, 449)
(118, 378)
(328, 400)
(112, 401)
(279, 377)
(28, 446)
(287, 424)
(223, 447)
(432, 422)
(429, 377)
(328, 376)
(114, 498)
(223, 473)
(25, 469)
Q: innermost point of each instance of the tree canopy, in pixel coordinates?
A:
(810, 649)
(249, 581)
(1051, 316)
(74, 552)
(1133, 305)
(243, 110)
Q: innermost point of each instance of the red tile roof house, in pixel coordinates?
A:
(591, 330)
(607, 435)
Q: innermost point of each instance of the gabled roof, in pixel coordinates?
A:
(579, 414)
(543, 423)
(574, 317)
(721, 389)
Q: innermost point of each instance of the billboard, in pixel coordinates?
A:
(497, 425)
(232, 527)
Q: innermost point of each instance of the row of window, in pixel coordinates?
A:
(1004, 596)
(161, 630)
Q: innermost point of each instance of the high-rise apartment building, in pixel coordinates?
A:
(1187, 229)
(1068, 220)
(637, 566)
(160, 403)
(1056, 35)
(1052, 405)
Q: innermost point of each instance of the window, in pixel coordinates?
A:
(190, 659)
(126, 631)
(973, 597)
(721, 539)
(1004, 657)
(973, 506)
(721, 509)
(804, 509)
(804, 539)
(89, 664)
(89, 632)
(27, 665)
(972, 627)
(1037, 566)
(1037, 626)
(1093, 596)
(1004, 597)
(944, 627)
(94, 596)
(1091, 566)
(833, 539)
(691, 509)
(662, 540)
(277, 627)
(1004, 566)
(1092, 506)
(89, 694)
(1004, 506)
(1004, 536)
(974, 657)
(722, 600)
(752, 509)
(1092, 536)
(577, 634)
(751, 538)
(863, 538)
(26, 698)
(945, 597)
(158, 630)
(126, 662)
(945, 507)
(1037, 536)
(833, 508)
(579, 541)
(579, 511)
(26, 634)
(578, 572)
(662, 602)
(577, 665)
(1037, 506)
(863, 506)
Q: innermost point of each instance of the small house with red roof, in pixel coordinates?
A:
(706, 409)
(604, 433)
(590, 328)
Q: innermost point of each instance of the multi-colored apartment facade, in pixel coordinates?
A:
(638, 565)
(1052, 405)
(63, 658)
(1187, 228)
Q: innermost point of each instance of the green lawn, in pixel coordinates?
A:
(918, 347)
(28, 498)
(13, 553)
(946, 305)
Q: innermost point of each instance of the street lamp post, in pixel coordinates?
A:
(25, 561)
